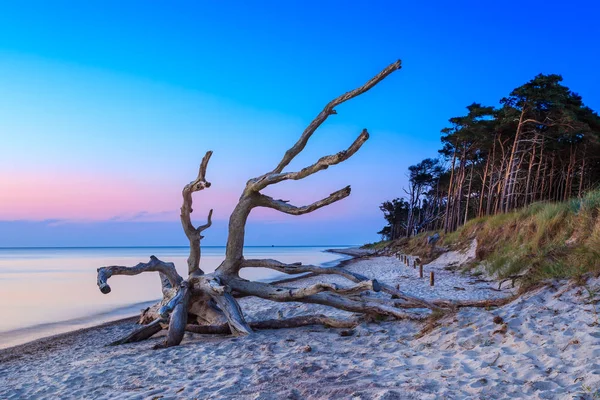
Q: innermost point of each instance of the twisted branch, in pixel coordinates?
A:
(299, 268)
(285, 207)
(193, 234)
(293, 322)
(329, 110)
(251, 197)
(323, 163)
(221, 295)
(169, 276)
(210, 296)
(279, 294)
(142, 333)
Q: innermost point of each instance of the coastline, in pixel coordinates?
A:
(75, 271)
(544, 347)
(39, 343)
(49, 343)
(52, 329)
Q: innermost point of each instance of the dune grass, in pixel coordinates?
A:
(542, 241)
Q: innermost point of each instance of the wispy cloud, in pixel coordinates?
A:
(145, 216)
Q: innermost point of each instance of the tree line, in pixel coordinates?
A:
(541, 144)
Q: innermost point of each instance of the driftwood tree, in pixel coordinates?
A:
(206, 303)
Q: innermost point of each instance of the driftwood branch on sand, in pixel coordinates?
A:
(206, 303)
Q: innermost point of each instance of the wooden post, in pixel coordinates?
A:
(420, 270)
(431, 279)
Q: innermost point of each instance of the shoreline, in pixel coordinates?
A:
(542, 345)
(50, 329)
(341, 262)
(47, 343)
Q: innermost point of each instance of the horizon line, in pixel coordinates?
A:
(161, 247)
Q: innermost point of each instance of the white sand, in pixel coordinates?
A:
(550, 351)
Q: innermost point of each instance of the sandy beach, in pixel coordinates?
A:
(544, 345)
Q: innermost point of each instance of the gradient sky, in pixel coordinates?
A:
(107, 107)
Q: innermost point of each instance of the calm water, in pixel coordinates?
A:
(45, 291)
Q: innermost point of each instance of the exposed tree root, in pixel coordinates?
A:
(293, 322)
(142, 333)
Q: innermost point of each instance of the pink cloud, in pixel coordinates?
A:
(75, 196)
(72, 195)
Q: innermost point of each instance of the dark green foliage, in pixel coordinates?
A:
(541, 144)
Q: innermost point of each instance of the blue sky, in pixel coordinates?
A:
(108, 107)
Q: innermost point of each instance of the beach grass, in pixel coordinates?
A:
(545, 240)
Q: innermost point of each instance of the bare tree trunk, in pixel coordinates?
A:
(536, 186)
(552, 171)
(506, 193)
(482, 192)
(462, 177)
(529, 169)
(488, 208)
(582, 173)
(468, 195)
(450, 193)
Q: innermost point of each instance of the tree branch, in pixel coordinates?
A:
(207, 224)
(293, 322)
(329, 110)
(196, 185)
(179, 316)
(194, 234)
(285, 207)
(221, 295)
(323, 163)
(250, 196)
(167, 270)
(235, 317)
(142, 333)
(273, 293)
(298, 268)
(299, 293)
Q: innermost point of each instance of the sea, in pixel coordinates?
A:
(48, 291)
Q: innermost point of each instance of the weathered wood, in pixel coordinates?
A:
(285, 207)
(233, 312)
(166, 269)
(298, 268)
(330, 110)
(279, 294)
(142, 333)
(194, 234)
(179, 316)
(293, 322)
(251, 197)
(204, 302)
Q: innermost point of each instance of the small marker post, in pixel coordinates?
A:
(431, 279)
